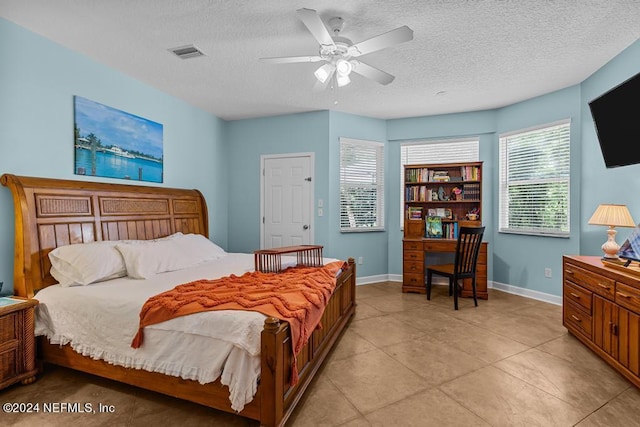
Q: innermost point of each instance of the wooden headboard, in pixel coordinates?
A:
(55, 212)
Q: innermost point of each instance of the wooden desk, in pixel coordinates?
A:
(413, 265)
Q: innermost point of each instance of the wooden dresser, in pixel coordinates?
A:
(601, 307)
(17, 343)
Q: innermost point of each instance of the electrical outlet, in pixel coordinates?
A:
(547, 272)
(360, 260)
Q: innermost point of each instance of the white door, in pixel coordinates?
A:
(287, 197)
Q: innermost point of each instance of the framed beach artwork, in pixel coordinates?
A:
(114, 144)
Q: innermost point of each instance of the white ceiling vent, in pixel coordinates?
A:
(185, 52)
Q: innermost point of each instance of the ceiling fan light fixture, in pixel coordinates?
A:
(343, 67)
(342, 80)
(324, 72)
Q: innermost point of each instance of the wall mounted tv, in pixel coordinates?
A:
(617, 120)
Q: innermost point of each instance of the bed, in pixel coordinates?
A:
(50, 213)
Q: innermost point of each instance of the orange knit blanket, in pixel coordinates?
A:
(298, 296)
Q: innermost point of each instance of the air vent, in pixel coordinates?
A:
(186, 52)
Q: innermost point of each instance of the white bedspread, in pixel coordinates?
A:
(100, 321)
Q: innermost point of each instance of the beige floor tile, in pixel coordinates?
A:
(323, 405)
(433, 360)
(430, 408)
(525, 326)
(358, 422)
(476, 341)
(391, 303)
(621, 411)
(385, 330)
(503, 400)
(363, 292)
(372, 380)
(574, 383)
(364, 311)
(569, 348)
(349, 345)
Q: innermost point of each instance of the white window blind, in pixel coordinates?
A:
(361, 185)
(534, 180)
(441, 151)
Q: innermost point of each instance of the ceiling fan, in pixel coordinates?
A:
(339, 53)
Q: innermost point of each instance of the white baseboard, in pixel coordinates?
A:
(516, 290)
(537, 295)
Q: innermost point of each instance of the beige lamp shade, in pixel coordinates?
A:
(612, 216)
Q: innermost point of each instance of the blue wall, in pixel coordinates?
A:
(251, 138)
(38, 80)
(599, 184)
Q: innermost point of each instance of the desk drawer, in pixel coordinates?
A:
(578, 295)
(409, 245)
(628, 297)
(413, 267)
(413, 256)
(599, 284)
(576, 318)
(413, 279)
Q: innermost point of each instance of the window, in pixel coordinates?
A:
(442, 151)
(534, 181)
(361, 185)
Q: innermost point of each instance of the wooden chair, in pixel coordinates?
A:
(464, 267)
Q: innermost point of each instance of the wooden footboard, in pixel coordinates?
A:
(51, 213)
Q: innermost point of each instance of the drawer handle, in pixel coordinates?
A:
(575, 295)
(604, 286)
(577, 319)
(569, 271)
(624, 295)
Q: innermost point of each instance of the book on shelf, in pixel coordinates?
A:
(414, 212)
(433, 226)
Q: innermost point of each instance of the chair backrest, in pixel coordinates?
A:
(467, 251)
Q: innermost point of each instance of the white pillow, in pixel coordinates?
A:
(86, 263)
(144, 260)
(198, 246)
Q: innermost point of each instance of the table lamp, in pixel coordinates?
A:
(612, 216)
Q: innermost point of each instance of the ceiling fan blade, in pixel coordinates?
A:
(312, 20)
(291, 59)
(372, 73)
(393, 37)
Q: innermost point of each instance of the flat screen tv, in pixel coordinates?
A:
(630, 249)
(616, 116)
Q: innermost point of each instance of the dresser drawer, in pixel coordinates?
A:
(409, 245)
(628, 297)
(599, 284)
(413, 256)
(576, 319)
(578, 295)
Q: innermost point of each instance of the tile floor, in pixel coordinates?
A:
(403, 361)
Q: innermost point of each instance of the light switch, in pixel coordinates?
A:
(320, 204)
(320, 212)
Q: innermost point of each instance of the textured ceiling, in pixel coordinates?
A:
(466, 55)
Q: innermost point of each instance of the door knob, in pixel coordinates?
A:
(305, 227)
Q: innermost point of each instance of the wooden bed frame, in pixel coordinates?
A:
(53, 212)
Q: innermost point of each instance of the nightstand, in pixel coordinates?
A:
(17, 343)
